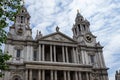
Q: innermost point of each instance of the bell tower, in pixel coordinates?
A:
(81, 30)
(21, 29)
(89, 50)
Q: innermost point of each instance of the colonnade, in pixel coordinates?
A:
(54, 75)
(53, 50)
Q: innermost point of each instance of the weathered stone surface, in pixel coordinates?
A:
(54, 56)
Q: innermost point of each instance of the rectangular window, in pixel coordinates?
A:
(22, 19)
(84, 27)
(35, 55)
(18, 54)
(92, 58)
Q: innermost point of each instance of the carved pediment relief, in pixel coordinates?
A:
(58, 37)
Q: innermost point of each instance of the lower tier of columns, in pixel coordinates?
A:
(56, 75)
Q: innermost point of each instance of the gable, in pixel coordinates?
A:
(58, 37)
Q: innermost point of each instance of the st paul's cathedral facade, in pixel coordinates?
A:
(55, 56)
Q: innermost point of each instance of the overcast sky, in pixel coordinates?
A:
(104, 17)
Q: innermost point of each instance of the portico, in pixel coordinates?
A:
(57, 53)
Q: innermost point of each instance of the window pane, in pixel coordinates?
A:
(18, 53)
(35, 55)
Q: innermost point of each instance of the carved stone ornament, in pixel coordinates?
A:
(58, 38)
(18, 47)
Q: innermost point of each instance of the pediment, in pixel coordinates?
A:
(58, 36)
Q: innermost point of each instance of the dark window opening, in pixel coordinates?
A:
(60, 75)
(84, 27)
(92, 58)
(47, 75)
(34, 78)
(22, 11)
(70, 54)
(83, 76)
(18, 54)
(59, 57)
(35, 55)
(47, 53)
(16, 78)
(22, 19)
(34, 74)
(81, 19)
(79, 27)
(72, 75)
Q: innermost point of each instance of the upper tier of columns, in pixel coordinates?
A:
(64, 52)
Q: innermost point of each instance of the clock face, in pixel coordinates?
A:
(88, 38)
(20, 31)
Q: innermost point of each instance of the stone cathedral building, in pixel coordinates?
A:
(117, 75)
(55, 56)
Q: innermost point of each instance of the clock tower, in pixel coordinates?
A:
(89, 50)
(81, 31)
(20, 30)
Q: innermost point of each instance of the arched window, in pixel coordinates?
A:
(16, 78)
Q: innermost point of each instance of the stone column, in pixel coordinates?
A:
(98, 61)
(51, 57)
(91, 76)
(74, 55)
(26, 74)
(76, 76)
(43, 54)
(55, 73)
(87, 75)
(102, 57)
(51, 75)
(65, 75)
(63, 53)
(66, 54)
(54, 53)
(80, 76)
(86, 58)
(39, 75)
(68, 75)
(30, 75)
(43, 74)
(77, 30)
(40, 52)
(83, 57)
